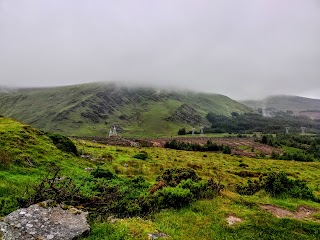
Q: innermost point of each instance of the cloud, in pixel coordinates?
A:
(245, 49)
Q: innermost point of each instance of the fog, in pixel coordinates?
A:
(243, 49)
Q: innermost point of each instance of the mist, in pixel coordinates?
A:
(243, 49)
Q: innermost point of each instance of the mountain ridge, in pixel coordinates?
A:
(91, 109)
(285, 102)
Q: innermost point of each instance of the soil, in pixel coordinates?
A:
(302, 212)
(240, 146)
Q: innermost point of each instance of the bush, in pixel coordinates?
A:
(172, 197)
(278, 185)
(5, 159)
(198, 189)
(101, 173)
(141, 155)
(251, 188)
(173, 176)
(63, 143)
(103, 193)
(226, 150)
(209, 146)
(182, 131)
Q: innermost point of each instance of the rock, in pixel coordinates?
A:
(88, 169)
(43, 221)
(152, 236)
(232, 219)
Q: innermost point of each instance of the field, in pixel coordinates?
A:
(253, 216)
(206, 219)
(244, 146)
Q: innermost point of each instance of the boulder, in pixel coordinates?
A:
(44, 221)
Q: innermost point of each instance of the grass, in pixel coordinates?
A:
(31, 155)
(203, 219)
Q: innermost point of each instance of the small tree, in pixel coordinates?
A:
(182, 131)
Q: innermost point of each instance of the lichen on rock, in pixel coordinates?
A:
(44, 221)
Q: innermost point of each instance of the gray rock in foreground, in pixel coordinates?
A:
(42, 222)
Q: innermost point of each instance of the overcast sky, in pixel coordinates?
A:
(241, 48)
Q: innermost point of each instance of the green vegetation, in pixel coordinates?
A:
(304, 148)
(278, 184)
(185, 194)
(141, 155)
(254, 122)
(91, 109)
(26, 154)
(208, 147)
(63, 143)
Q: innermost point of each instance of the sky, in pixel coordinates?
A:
(244, 49)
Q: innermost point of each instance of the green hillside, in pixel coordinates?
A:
(91, 109)
(27, 155)
(284, 103)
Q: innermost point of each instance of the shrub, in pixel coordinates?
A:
(198, 189)
(141, 155)
(8, 205)
(251, 188)
(208, 146)
(172, 197)
(278, 185)
(226, 150)
(182, 131)
(173, 176)
(5, 159)
(63, 143)
(102, 173)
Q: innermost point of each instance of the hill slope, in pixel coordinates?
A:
(91, 109)
(26, 154)
(293, 103)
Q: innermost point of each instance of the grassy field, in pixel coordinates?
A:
(206, 219)
(27, 154)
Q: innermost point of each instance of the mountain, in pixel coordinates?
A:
(92, 109)
(298, 105)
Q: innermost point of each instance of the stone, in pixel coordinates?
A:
(232, 219)
(152, 236)
(88, 169)
(44, 221)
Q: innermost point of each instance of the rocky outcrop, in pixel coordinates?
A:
(185, 114)
(44, 221)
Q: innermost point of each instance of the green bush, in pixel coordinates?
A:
(103, 193)
(172, 197)
(141, 155)
(63, 143)
(173, 176)
(182, 131)
(198, 189)
(226, 150)
(102, 173)
(278, 185)
(8, 205)
(209, 146)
